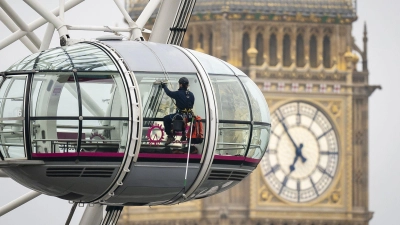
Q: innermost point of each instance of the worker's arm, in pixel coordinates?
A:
(171, 94)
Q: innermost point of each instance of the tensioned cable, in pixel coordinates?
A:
(187, 159)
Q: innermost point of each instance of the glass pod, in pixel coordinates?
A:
(87, 121)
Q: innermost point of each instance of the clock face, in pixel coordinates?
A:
(302, 156)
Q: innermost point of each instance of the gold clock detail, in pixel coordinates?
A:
(303, 153)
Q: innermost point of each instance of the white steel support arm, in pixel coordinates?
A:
(136, 31)
(124, 13)
(99, 28)
(12, 38)
(172, 21)
(35, 24)
(58, 24)
(165, 19)
(62, 10)
(20, 23)
(48, 35)
(147, 12)
(18, 202)
(13, 28)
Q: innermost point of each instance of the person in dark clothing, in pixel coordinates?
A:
(184, 102)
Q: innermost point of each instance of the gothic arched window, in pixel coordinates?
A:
(313, 51)
(210, 44)
(300, 51)
(286, 51)
(273, 57)
(326, 52)
(191, 41)
(260, 49)
(245, 47)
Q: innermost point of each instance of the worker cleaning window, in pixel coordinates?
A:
(184, 101)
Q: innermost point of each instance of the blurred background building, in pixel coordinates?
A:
(302, 55)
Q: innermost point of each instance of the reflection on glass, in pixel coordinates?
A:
(81, 56)
(156, 105)
(54, 95)
(257, 101)
(103, 95)
(211, 64)
(12, 140)
(54, 136)
(231, 99)
(97, 137)
(87, 57)
(259, 141)
(54, 59)
(11, 123)
(235, 70)
(24, 64)
(234, 116)
(232, 139)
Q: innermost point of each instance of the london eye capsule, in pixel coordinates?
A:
(85, 123)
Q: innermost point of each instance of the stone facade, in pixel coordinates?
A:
(306, 55)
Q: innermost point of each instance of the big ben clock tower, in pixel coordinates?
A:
(314, 77)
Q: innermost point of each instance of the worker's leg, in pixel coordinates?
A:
(167, 126)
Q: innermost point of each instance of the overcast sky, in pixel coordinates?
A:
(383, 21)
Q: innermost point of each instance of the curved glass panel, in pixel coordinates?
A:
(231, 99)
(211, 64)
(104, 136)
(157, 105)
(235, 70)
(257, 101)
(234, 116)
(259, 141)
(81, 56)
(54, 94)
(172, 59)
(88, 119)
(24, 63)
(261, 118)
(103, 94)
(49, 136)
(87, 57)
(54, 59)
(145, 60)
(12, 117)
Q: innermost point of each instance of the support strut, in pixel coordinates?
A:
(18, 202)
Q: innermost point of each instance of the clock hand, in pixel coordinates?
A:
(290, 137)
(300, 154)
(291, 167)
